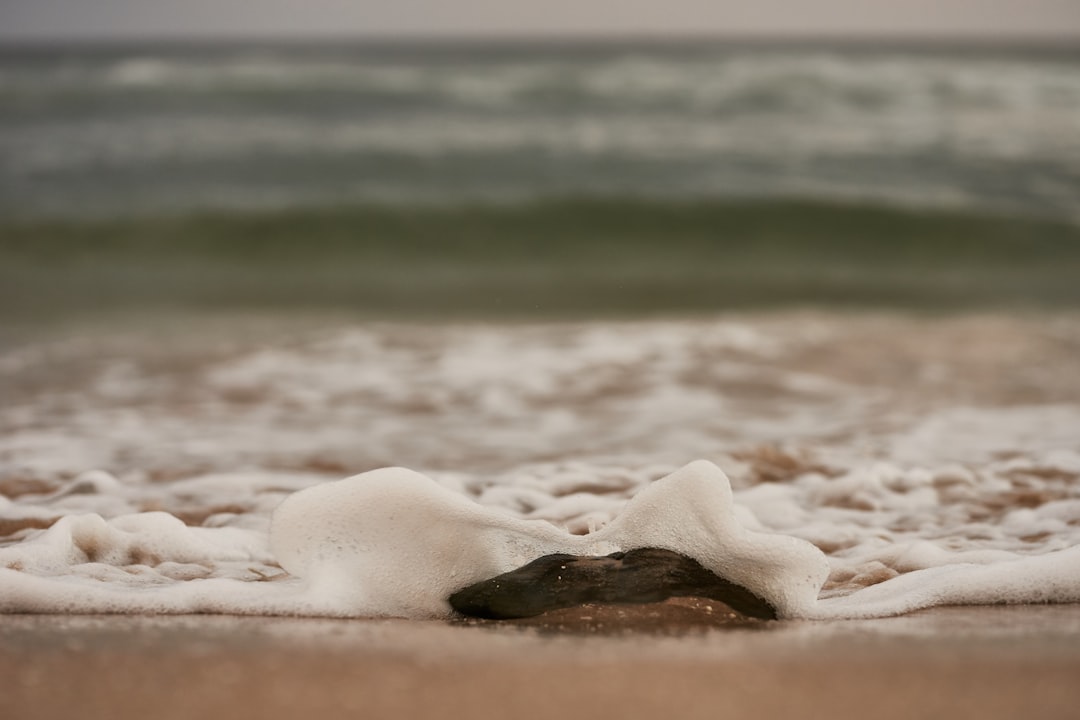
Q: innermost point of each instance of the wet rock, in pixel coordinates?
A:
(646, 575)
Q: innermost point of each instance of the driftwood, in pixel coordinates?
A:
(646, 575)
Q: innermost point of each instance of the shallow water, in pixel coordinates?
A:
(893, 444)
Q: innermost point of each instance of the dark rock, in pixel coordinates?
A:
(646, 575)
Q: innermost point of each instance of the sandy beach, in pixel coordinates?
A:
(673, 659)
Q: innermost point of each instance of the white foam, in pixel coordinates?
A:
(387, 542)
(538, 439)
(393, 542)
(1054, 577)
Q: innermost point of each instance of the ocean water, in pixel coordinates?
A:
(848, 466)
(232, 276)
(143, 129)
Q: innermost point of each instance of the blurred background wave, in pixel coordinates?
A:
(538, 177)
(134, 128)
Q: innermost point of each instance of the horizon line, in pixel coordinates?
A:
(1063, 41)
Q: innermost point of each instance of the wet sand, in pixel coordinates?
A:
(684, 660)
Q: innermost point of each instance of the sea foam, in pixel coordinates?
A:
(917, 471)
(390, 542)
(393, 542)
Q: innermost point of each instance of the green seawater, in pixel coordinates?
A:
(544, 259)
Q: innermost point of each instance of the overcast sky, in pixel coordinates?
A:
(37, 19)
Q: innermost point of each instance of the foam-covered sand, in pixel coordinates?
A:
(871, 466)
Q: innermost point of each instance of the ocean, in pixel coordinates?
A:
(804, 314)
(107, 130)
